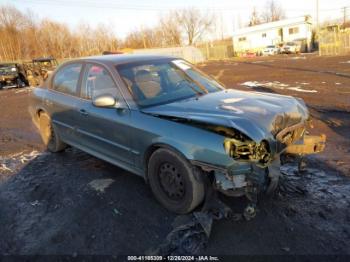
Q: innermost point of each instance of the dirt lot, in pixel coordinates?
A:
(48, 204)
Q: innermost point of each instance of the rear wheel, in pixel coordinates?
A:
(173, 181)
(48, 134)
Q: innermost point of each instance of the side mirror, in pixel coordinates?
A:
(104, 101)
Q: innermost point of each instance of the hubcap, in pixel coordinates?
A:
(171, 181)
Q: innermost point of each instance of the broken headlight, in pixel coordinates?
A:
(247, 150)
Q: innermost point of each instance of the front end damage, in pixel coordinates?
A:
(256, 130)
(257, 165)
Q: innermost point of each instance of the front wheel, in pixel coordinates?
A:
(173, 182)
(50, 138)
(20, 83)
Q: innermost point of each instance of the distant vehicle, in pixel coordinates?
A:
(270, 50)
(291, 48)
(12, 75)
(38, 69)
(163, 119)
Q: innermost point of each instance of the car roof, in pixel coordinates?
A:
(123, 58)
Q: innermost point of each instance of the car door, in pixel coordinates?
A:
(103, 131)
(61, 100)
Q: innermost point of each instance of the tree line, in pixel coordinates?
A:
(23, 36)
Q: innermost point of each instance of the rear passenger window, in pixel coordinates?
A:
(97, 81)
(66, 79)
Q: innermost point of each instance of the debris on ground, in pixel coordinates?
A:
(35, 203)
(287, 249)
(101, 184)
(116, 211)
(190, 234)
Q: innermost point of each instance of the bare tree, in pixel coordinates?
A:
(254, 18)
(170, 29)
(273, 12)
(23, 36)
(144, 38)
(194, 23)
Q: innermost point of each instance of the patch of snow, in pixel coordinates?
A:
(299, 89)
(274, 84)
(12, 162)
(338, 83)
(345, 62)
(277, 85)
(101, 184)
(250, 84)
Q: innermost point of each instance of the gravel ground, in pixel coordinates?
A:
(72, 203)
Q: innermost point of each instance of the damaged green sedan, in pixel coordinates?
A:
(161, 118)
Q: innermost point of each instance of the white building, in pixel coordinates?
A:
(255, 38)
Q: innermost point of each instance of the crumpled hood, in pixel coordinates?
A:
(258, 115)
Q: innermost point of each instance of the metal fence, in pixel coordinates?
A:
(216, 52)
(334, 43)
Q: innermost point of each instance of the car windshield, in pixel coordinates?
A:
(164, 81)
(7, 69)
(270, 46)
(290, 43)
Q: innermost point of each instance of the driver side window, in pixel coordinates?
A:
(97, 81)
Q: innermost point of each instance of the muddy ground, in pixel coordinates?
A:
(72, 203)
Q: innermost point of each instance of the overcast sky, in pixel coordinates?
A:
(124, 16)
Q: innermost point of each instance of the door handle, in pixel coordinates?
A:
(83, 112)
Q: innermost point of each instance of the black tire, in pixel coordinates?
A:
(173, 182)
(20, 83)
(50, 138)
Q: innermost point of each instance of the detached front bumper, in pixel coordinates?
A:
(309, 145)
